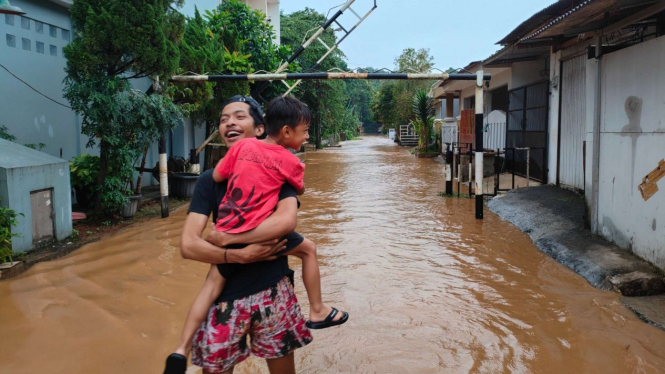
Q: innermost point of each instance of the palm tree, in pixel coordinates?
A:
(423, 110)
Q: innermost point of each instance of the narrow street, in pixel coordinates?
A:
(429, 288)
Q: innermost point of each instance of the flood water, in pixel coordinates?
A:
(430, 289)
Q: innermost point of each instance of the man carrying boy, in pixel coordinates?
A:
(277, 326)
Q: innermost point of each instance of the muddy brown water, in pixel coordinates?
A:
(429, 289)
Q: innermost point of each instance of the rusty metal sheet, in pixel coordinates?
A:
(648, 187)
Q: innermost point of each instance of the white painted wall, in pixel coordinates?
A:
(271, 9)
(528, 72)
(632, 142)
(499, 79)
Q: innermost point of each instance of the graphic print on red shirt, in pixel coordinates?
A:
(255, 172)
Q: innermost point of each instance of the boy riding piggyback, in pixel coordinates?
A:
(255, 171)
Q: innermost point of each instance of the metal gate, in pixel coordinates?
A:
(527, 127)
(571, 132)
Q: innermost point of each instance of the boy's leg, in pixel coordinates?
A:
(311, 277)
(199, 310)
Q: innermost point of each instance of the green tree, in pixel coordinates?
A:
(392, 105)
(117, 41)
(343, 105)
(232, 39)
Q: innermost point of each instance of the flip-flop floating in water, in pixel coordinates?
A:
(329, 321)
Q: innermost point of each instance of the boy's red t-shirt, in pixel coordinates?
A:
(255, 172)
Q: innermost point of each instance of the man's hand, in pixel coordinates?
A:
(259, 252)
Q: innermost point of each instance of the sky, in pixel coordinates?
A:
(456, 32)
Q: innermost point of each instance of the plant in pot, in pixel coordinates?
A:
(7, 220)
(83, 172)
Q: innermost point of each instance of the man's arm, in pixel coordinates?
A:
(193, 247)
(283, 221)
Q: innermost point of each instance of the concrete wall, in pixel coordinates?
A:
(271, 9)
(28, 116)
(503, 78)
(33, 118)
(528, 72)
(632, 143)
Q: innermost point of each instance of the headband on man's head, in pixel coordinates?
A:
(249, 101)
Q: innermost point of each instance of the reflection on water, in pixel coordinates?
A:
(429, 288)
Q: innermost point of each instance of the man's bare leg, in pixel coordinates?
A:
(199, 310)
(282, 365)
(230, 371)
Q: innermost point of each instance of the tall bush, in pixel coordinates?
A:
(423, 112)
(7, 220)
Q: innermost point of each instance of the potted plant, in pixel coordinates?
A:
(182, 185)
(7, 220)
(131, 206)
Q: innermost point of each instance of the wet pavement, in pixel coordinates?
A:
(429, 289)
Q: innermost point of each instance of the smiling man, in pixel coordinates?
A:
(258, 300)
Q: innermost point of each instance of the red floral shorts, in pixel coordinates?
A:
(271, 319)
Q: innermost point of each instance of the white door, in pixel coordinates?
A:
(573, 98)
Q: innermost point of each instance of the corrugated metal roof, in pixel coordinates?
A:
(560, 18)
(566, 15)
(538, 19)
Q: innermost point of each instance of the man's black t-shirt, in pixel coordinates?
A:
(241, 279)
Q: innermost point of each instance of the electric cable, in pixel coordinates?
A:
(34, 89)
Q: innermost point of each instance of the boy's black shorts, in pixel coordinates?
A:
(292, 240)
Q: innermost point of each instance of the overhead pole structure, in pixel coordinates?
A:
(334, 47)
(260, 88)
(479, 77)
(329, 76)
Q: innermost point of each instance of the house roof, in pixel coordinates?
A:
(443, 87)
(511, 54)
(569, 18)
(14, 155)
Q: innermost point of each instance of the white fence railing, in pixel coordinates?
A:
(408, 135)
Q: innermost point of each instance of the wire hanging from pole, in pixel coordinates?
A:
(32, 88)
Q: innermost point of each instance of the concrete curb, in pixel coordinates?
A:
(553, 218)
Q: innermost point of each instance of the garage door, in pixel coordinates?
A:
(573, 98)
